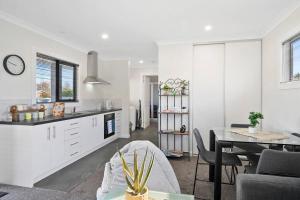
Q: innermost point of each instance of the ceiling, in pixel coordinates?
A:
(134, 26)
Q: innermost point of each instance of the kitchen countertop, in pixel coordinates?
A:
(50, 119)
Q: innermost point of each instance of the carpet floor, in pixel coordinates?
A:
(81, 179)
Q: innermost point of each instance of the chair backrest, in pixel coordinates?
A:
(279, 163)
(240, 125)
(199, 140)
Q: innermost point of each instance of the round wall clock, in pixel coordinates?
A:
(14, 64)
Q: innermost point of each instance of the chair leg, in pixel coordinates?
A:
(226, 172)
(196, 174)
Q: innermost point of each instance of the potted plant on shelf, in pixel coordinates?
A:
(183, 85)
(254, 117)
(167, 89)
(135, 178)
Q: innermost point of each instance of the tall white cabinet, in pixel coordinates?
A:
(208, 88)
(226, 84)
(242, 80)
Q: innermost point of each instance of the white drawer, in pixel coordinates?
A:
(72, 148)
(71, 124)
(72, 133)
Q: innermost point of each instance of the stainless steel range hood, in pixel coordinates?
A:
(92, 69)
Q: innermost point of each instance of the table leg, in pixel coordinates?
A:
(218, 172)
(212, 141)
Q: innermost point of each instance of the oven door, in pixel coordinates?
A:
(109, 125)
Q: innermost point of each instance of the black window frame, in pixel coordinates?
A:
(58, 79)
(294, 39)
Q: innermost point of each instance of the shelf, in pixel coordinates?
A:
(172, 132)
(173, 112)
(172, 153)
(172, 95)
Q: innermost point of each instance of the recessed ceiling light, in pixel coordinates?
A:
(104, 36)
(141, 61)
(208, 27)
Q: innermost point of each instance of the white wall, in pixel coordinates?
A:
(117, 73)
(176, 61)
(17, 40)
(224, 88)
(280, 106)
(136, 80)
(21, 89)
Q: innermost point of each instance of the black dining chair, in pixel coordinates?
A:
(209, 157)
(250, 151)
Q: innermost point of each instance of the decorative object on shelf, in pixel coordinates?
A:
(135, 178)
(167, 89)
(254, 117)
(58, 109)
(14, 113)
(28, 116)
(182, 129)
(173, 113)
(184, 83)
(14, 65)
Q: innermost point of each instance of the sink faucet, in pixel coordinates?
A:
(74, 109)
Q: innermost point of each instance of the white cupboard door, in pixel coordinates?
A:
(99, 129)
(208, 89)
(118, 122)
(87, 133)
(41, 149)
(243, 80)
(57, 144)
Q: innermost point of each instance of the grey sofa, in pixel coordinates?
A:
(277, 178)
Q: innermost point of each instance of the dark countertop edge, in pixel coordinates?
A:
(51, 119)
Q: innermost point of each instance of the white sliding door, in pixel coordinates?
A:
(242, 80)
(208, 89)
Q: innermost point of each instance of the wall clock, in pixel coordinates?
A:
(14, 65)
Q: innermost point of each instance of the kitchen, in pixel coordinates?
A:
(30, 148)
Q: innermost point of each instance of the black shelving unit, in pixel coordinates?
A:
(171, 96)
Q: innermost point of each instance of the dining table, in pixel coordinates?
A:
(223, 137)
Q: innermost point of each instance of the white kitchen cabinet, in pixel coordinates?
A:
(41, 149)
(99, 129)
(118, 123)
(57, 144)
(93, 129)
(30, 153)
(48, 147)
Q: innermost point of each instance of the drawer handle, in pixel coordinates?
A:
(72, 124)
(73, 154)
(74, 133)
(74, 143)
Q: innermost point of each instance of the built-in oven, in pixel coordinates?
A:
(109, 125)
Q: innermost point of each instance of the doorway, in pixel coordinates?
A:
(149, 99)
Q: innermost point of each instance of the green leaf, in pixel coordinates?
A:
(125, 166)
(136, 172)
(143, 167)
(147, 174)
(129, 184)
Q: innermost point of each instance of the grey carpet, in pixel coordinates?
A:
(81, 179)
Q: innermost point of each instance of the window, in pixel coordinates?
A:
(291, 59)
(295, 60)
(56, 80)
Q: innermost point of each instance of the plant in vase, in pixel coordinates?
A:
(167, 89)
(254, 117)
(183, 85)
(135, 178)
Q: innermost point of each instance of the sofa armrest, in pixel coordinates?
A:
(267, 187)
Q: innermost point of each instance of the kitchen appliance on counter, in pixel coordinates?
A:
(109, 125)
(108, 104)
